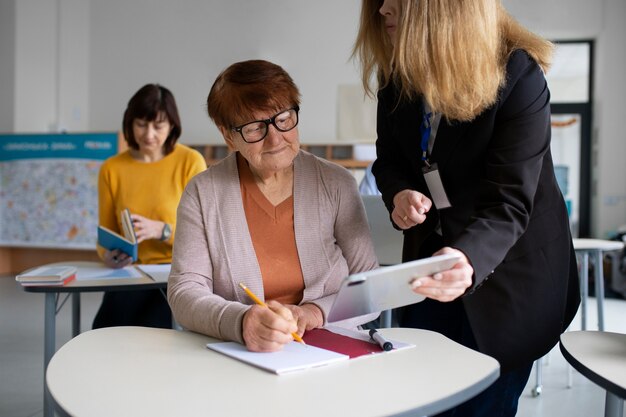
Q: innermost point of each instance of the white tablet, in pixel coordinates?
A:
(384, 288)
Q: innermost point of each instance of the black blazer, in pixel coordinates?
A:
(508, 215)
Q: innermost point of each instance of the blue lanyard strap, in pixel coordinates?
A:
(425, 132)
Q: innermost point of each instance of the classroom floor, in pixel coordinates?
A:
(21, 357)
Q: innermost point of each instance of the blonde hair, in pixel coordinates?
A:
(451, 52)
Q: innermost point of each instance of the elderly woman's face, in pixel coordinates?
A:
(276, 150)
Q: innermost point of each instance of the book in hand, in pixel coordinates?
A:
(47, 276)
(110, 240)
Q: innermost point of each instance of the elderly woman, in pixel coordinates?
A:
(285, 223)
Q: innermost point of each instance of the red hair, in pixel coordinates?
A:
(247, 87)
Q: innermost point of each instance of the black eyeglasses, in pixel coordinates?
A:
(256, 131)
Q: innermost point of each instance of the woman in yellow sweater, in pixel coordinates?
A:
(148, 179)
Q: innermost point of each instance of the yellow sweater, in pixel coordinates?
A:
(152, 190)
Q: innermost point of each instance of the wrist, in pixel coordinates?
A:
(315, 314)
(166, 232)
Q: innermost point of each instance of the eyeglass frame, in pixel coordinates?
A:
(268, 122)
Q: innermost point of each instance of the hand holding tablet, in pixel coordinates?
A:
(446, 286)
(386, 287)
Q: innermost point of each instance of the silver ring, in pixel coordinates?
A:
(404, 218)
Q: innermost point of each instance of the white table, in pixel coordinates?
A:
(75, 288)
(131, 371)
(594, 248)
(585, 248)
(601, 357)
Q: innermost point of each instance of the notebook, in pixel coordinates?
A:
(324, 346)
(294, 356)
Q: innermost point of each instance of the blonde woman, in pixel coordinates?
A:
(464, 166)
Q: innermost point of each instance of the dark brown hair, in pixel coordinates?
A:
(249, 86)
(147, 104)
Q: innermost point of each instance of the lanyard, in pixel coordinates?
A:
(425, 133)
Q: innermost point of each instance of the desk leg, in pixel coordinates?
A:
(75, 314)
(599, 286)
(584, 289)
(48, 349)
(613, 406)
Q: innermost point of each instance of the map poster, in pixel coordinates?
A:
(49, 188)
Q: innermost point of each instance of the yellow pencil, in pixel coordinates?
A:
(262, 304)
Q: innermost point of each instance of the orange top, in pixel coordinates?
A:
(274, 240)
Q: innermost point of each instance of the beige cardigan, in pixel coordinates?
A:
(213, 250)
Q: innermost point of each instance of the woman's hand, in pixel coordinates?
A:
(308, 316)
(410, 208)
(447, 285)
(268, 329)
(116, 259)
(146, 228)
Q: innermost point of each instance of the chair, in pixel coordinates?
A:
(600, 357)
(387, 240)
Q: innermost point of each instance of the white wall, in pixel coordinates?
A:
(51, 66)
(7, 64)
(184, 46)
(35, 66)
(79, 74)
(73, 66)
(603, 21)
(609, 179)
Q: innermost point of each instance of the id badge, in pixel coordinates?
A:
(435, 186)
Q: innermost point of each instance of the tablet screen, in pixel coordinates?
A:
(384, 288)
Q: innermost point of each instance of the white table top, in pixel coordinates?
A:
(600, 356)
(130, 371)
(597, 244)
(100, 284)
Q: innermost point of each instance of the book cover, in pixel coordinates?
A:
(48, 274)
(111, 240)
(355, 344)
(326, 339)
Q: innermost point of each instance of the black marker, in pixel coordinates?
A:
(384, 344)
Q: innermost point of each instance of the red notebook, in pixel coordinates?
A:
(328, 340)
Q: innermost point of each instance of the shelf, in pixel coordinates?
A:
(341, 154)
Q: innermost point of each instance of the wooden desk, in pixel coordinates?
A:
(75, 288)
(601, 357)
(131, 371)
